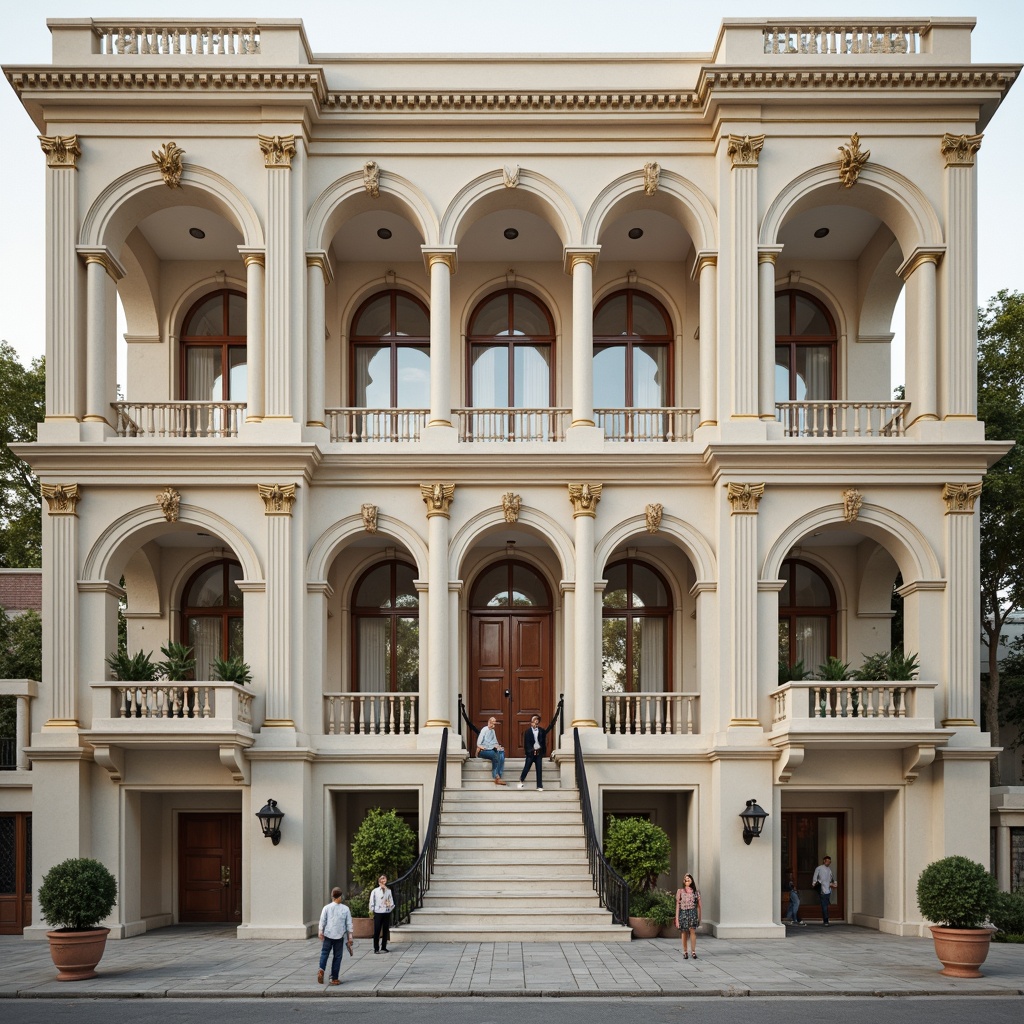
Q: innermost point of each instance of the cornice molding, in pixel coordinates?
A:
(590, 102)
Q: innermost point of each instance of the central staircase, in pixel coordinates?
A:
(511, 866)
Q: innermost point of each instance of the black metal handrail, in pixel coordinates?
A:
(471, 729)
(610, 885)
(558, 717)
(409, 889)
(8, 753)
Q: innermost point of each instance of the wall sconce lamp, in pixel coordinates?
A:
(752, 816)
(270, 821)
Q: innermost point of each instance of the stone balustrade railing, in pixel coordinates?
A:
(203, 705)
(650, 713)
(667, 424)
(24, 691)
(503, 424)
(811, 699)
(391, 714)
(842, 418)
(355, 425)
(844, 40)
(179, 419)
(212, 40)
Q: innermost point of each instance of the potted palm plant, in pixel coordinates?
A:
(75, 896)
(232, 670)
(958, 894)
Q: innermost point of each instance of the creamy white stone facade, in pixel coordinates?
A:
(292, 165)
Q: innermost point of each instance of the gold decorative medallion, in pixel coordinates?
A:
(369, 513)
(510, 505)
(371, 179)
(652, 513)
(852, 161)
(510, 176)
(852, 501)
(168, 159)
(169, 501)
(652, 177)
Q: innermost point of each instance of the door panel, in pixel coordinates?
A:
(806, 837)
(210, 868)
(15, 872)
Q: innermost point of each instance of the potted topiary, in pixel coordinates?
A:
(75, 896)
(383, 845)
(638, 849)
(958, 894)
(359, 905)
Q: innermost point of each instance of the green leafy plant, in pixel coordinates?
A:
(888, 665)
(790, 673)
(359, 902)
(135, 668)
(77, 894)
(1008, 916)
(383, 845)
(835, 670)
(656, 905)
(179, 663)
(232, 670)
(639, 850)
(956, 892)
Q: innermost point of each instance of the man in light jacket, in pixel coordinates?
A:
(335, 930)
(381, 905)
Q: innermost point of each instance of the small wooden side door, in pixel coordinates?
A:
(210, 868)
(15, 872)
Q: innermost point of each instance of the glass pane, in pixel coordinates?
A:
(814, 372)
(236, 630)
(236, 316)
(207, 591)
(407, 655)
(532, 377)
(782, 314)
(413, 320)
(808, 318)
(812, 641)
(784, 641)
(208, 320)
(237, 375)
(204, 637)
(811, 590)
(650, 376)
(610, 319)
(613, 655)
(8, 854)
(491, 319)
(406, 595)
(529, 317)
(413, 377)
(648, 590)
(203, 373)
(648, 319)
(491, 590)
(615, 591)
(373, 637)
(610, 377)
(782, 373)
(234, 594)
(375, 320)
(528, 588)
(490, 376)
(373, 377)
(375, 589)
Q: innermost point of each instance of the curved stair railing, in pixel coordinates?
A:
(610, 885)
(408, 891)
(471, 729)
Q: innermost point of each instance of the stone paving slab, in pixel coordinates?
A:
(209, 962)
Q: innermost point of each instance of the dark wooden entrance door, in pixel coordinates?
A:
(210, 868)
(807, 836)
(15, 872)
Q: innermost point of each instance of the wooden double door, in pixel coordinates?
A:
(210, 868)
(807, 836)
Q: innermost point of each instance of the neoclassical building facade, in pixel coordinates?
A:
(491, 381)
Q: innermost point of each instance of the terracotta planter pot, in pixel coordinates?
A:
(643, 928)
(362, 927)
(76, 954)
(961, 950)
(669, 931)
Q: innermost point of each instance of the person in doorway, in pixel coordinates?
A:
(793, 913)
(488, 747)
(381, 905)
(823, 882)
(535, 743)
(688, 913)
(335, 932)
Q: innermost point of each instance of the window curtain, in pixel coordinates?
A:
(373, 668)
(204, 637)
(812, 642)
(817, 373)
(652, 656)
(203, 366)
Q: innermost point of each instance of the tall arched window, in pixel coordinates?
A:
(805, 349)
(632, 352)
(390, 339)
(211, 613)
(807, 617)
(635, 630)
(213, 338)
(386, 628)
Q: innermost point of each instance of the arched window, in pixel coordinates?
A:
(386, 628)
(510, 585)
(213, 337)
(805, 349)
(635, 630)
(390, 339)
(632, 352)
(211, 612)
(807, 617)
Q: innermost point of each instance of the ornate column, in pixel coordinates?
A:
(441, 263)
(278, 500)
(584, 499)
(255, 347)
(705, 269)
(64, 359)
(959, 364)
(579, 262)
(963, 698)
(766, 257)
(919, 272)
(102, 272)
(438, 499)
(744, 500)
(60, 601)
(318, 276)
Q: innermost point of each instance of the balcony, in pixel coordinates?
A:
(371, 714)
(218, 420)
(353, 425)
(504, 424)
(649, 714)
(12, 750)
(641, 425)
(842, 419)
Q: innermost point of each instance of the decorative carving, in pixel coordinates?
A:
(168, 159)
(278, 150)
(61, 499)
(510, 175)
(852, 161)
(959, 150)
(438, 498)
(169, 501)
(584, 498)
(510, 505)
(852, 501)
(652, 177)
(369, 517)
(371, 179)
(960, 498)
(745, 150)
(745, 498)
(60, 150)
(278, 499)
(652, 513)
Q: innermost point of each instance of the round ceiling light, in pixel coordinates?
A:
(636, 232)
(197, 232)
(510, 233)
(384, 233)
(821, 233)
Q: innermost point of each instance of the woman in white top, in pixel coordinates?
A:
(488, 747)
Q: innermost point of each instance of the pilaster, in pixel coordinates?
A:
(278, 501)
(744, 500)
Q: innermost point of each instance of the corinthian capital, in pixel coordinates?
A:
(438, 498)
(584, 498)
(278, 150)
(61, 499)
(60, 150)
(745, 498)
(959, 150)
(745, 150)
(960, 498)
(278, 499)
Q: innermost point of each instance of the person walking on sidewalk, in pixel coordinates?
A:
(335, 931)
(535, 743)
(688, 912)
(823, 881)
(381, 905)
(488, 747)
(793, 913)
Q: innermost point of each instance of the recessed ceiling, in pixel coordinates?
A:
(485, 241)
(849, 230)
(663, 239)
(167, 232)
(357, 241)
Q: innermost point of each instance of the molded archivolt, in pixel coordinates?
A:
(347, 197)
(492, 520)
(535, 193)
(536, 286)
(676, 197)
(329, 544)
(695, 547)
(128, 200)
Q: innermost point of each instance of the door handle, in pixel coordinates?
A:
(508, 694)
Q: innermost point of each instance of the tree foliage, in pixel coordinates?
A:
(638, 849)
(21, 657)
(383, 845)
(22, 406)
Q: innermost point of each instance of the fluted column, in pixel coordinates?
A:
(255, 326)
(278, 501)
(318, 276)
(744, 500)
(584, 499)
(438, 498)
(102, 271)
(919, 272)
(705, 269)
(441, 264)
(580, 262)
(963, 698)
(766, 258)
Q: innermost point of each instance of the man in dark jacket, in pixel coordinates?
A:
(535, 743)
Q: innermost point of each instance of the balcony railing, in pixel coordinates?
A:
(390, 714)
(12, 749)
(813, 38)
(179, 419)
(201, 706)
(176, 39)
(352, 425)
(478, 424)
(842, 419)
(647, 424)
(649, 714)
(840, 705)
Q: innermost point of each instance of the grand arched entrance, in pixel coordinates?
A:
(510, 651)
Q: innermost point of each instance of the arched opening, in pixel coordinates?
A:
(213, 348)
(807, 619)
(636, 619)
(386, 630)
(212, 615)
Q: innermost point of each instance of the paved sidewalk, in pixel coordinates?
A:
(195, 962)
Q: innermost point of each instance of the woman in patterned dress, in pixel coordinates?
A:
(688, 912)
